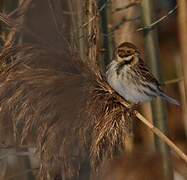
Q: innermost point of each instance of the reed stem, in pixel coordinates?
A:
(158, 108)
(105, 31)
(182, 21)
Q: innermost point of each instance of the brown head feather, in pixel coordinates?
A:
(128, 44)
(125, 49)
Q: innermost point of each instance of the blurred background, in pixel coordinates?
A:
(94, 28)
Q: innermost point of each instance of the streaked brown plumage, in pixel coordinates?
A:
(129, 76)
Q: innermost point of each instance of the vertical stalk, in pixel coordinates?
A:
(87, 29)
(179, 70)
(75, 10)
(1, 27)
(74, 19)
(111, 37)
(158, 108)
(90, 30)
(104, 30)
(182, 20)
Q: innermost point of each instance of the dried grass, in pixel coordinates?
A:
(50, 100)
(65, 109)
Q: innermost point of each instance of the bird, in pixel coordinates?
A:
(130, 77)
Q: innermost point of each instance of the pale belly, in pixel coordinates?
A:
(131, 93)
(128, 90)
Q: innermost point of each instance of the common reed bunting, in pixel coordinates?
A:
(129, 76)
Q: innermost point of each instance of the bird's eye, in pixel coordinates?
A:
(121, 53)
(128, 51)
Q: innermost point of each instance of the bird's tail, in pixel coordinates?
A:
(169, 99)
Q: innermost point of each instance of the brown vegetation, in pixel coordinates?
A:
(53, 102)
(69, 115)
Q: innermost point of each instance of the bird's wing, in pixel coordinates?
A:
(146, 74)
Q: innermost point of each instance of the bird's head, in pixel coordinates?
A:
(127, 52)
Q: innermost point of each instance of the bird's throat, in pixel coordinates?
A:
(121, 65)
(128, 58)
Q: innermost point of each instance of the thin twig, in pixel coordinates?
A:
(123, 20)
(54, 17)
(90, 21)
(14, 12)
(21, 9)
(157, 132)
(173, 81)
(13, 25)
(116, 27)
(110, 33)
(94, 17)
(152, 25)
(7, 21)
(131, 4)
(161, 136)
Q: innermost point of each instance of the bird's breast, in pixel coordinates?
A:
(118, 81)
(125, 84)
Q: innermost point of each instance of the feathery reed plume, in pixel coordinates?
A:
(64, 108)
